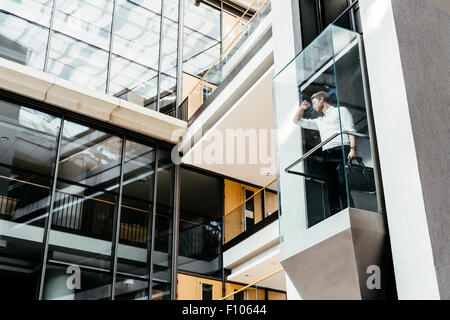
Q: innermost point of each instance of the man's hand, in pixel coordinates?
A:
(305, 105)
(352, 154)
(298, 115)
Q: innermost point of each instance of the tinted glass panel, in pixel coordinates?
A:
(163, 223)
(28, 142)
(200, 234)
(207, 291)
(89, 21)
(38, 11)
(85, 204)
(78, 61)
(22, 42)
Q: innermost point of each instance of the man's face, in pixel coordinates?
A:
(317, 104)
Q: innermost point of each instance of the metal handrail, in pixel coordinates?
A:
(253, 283)
(320, 145)
(239, 19)
(254, 194)
(343, 13)
(229, 46)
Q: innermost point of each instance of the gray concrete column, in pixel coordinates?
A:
(408, 55)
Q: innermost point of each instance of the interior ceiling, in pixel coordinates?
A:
(261, 267)
(253, 111)
(247, 3)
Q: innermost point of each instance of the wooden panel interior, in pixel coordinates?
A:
(190, 287)
(271, 202)
(234, 195)
(258, 202)
(256, 294)
(273, 295)
(196, 97)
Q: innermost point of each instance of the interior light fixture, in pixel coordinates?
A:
(128, 282)
(4, 139)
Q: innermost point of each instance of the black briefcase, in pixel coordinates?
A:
(359, 177)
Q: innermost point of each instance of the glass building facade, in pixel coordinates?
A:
(86, 212)
(127, 49)
(86, 208)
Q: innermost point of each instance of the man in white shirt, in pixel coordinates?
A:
(327, 125)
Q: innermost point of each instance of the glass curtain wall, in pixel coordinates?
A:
(169, 56)
(128, 49)
(28, 144)
(82, 258)
(201, 37)
(200, 235)
(135, 51)
(85, 203)
(24, 30)
(162, 253)
(135, 235)
(201, 48)
(124, 48)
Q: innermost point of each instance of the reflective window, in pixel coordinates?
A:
(168, 95)
(28, 142)
(38, 11)
(201, 37)
(200, 232)
(79, 264)
(129, 288)
(84, 207)
(78, 61)
(133, 264)
(132, 81)
(315, 16)
(89, 21)
(160, 291)
(136, 34)
(169, 36)
(134, 66)
(22, 41)
(162, 254)
(169, 56)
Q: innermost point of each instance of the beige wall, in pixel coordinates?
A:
(190, 287)
(271, 202)
(229, 29)
(195, 98)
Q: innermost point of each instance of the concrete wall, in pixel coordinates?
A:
(407, 49)
(287, 43)
(424, 43)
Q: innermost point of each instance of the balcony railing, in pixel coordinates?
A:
(251, 286)
(253, 210)
(235, 40)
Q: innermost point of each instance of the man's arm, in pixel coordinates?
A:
(348, 125)
(305, 123)
(352, 154)
(299, 113)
